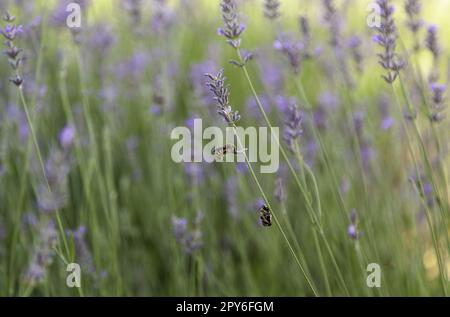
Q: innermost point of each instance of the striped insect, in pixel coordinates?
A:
(265, 215)
(221, 151)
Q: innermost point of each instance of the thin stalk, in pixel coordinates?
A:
(255, 178)
(304, 166)
(429, 220)
(310, 210)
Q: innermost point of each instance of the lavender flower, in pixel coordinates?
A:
(133, 7)
(352, 230)
(189, 237)
(43, 254)
(387, 121)
(280, 192)
(232, 28)
(432, 42)
(293, 128)
(162, 17)
(271, 9)
(355, 48)
(292, 50)
(82, 252)
(413, 10)
(334, 22)
(438, 98)
(305, 28)
(425, 188)
(66, 137)
(387, 39)
(221, 94)
(366, 151)
(271, 76)
(10, 33)
(57, 168)
(231, 191)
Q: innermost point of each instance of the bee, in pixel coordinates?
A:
(220, 152)
(266, 216)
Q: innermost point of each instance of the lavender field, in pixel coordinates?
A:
(93, 203)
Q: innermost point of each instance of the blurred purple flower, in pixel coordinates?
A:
(439, 102)
(272, 9)
(189, 237)
(231, 191)
(293, 126)
(43, 254)
(352, 230)
(66, 137)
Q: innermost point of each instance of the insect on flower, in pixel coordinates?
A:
(265, 215)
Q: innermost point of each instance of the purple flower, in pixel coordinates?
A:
(387, 121)
(221, 94)
(82, 252)
(66, 137)
(162, 17)
(439, 102)
(352, 230)
(293, 126)
(432, 42)
(387, 39)
(241, 167)
(292, 50)
(102, 39)
(366, 151)
(43, 254)
(54, 196)
(231, 192)
(188, 236)
(133, 67)
(12, 51)
(271, 9)
(11, 31)
(272, 76)
(280, 192)
(355, 48)
(232, 28)
(334, 22)
(413, 9)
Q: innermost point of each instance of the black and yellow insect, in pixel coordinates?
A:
(265, 216)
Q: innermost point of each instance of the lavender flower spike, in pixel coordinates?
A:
(438, 96)
(293, 129)
(12, 51)
(432, 42)
(352, 229)
(387, 38)
(232, 28)
(271, 9)
(413, 9)
(221, 94)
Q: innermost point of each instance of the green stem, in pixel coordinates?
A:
(255, 178)
(312, 214)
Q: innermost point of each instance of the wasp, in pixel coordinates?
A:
(266, 216)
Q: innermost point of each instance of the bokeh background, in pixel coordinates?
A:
(97, 106)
